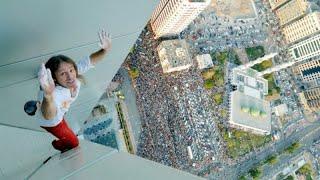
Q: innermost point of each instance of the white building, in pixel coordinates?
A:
(204, 61)
(249, 82)
(306, 49)
(173, 16)
(276, 3)
(292, 10)
(302, 28)
(174, 55)
(250, 114)
(248, 109)
(281, 110)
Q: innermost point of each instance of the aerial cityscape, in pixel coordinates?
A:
(222, 89)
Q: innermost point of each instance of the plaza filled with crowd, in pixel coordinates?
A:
(175, 111)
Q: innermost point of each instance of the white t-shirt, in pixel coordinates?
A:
(62, 97)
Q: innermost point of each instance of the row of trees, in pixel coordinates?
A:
(125, 129)
(256, 171)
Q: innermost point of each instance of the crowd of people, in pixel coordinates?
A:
(175, 111)
(211, 32)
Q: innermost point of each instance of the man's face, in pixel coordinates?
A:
(66, 75)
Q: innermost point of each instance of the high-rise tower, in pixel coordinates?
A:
(306, 49)
(292, 10)
(173, 16)
(276, 3)
(302, 28)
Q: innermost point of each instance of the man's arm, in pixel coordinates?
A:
(48, 107)
(97, 56)
(105, 44)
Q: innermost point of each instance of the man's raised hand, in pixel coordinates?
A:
(105, 40)
(46, 81)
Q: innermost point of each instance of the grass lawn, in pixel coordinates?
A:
(218, 98)
(242, 142)
(208, 74)
(263, 65)
(220, 57)
(273, 88)
(213, 77)
(255, 52)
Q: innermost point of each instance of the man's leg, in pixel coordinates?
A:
(66, 138)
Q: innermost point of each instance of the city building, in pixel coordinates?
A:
(291, 10)
(302, 28)
(172, 16)
(250, 114)
(310, 71)
(306, 49)
(174, 55)
(310, 75)
(248, 109)
(312, 97)
(204, 61)
(276, 3)
(281, 110)
(248, 82)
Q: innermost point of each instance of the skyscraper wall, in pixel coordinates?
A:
(312, 97)
(302, 28)
(173, 16)
(276, 3)
(306, 49)
(291, 10)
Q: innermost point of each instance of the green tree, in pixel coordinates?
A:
(223, 113)
(237, 60)
(255, 172)
(208, 74)
(218, 99)
(133, 73)
(309, 177)
(218, 77)
(219, 81)
(255, 52)
(208, 84)
(289, 178)
(292, 148)
(222, 57)
(271, 159)
(305, 169)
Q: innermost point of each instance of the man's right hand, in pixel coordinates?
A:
(46, 81)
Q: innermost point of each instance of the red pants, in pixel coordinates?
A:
(66, 138)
